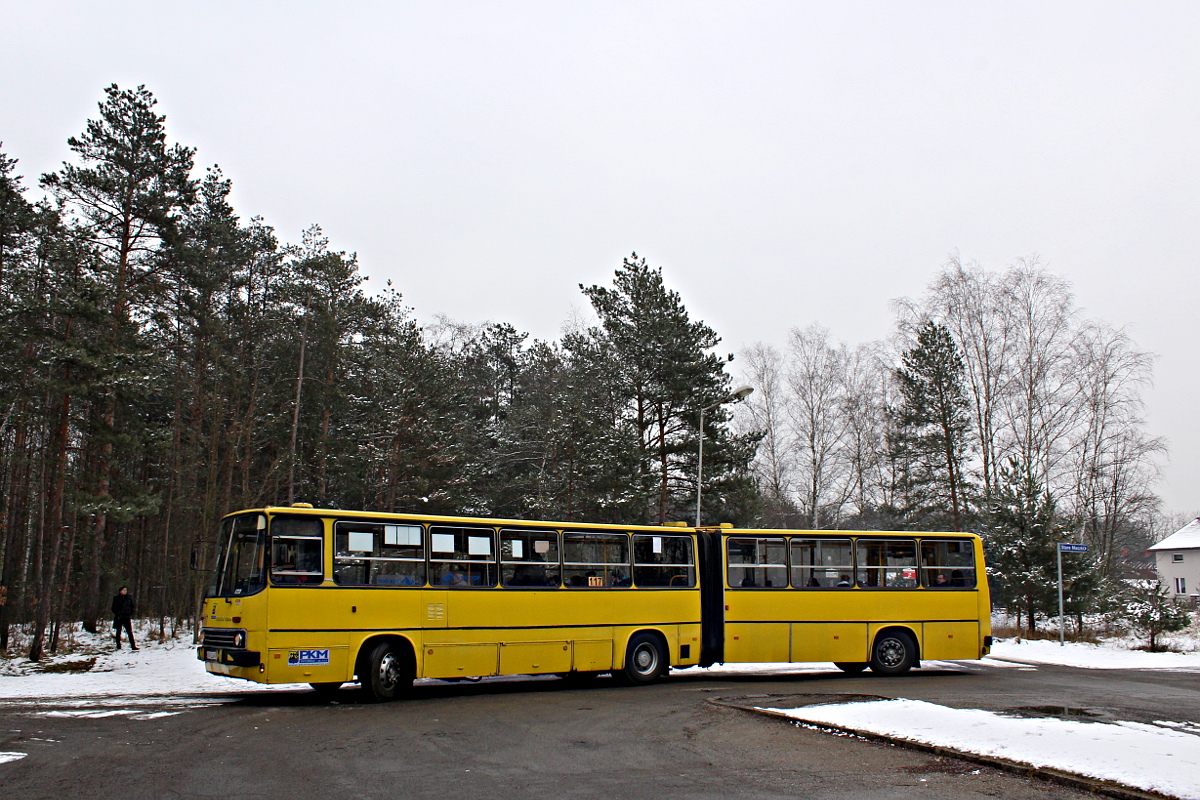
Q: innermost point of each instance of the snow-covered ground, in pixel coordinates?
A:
(1162, 758)
(1092, 656)
(154, 671)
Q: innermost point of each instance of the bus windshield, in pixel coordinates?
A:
(240, 556)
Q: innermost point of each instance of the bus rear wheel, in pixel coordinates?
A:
(387, 673)
(851, 667)
(894, 653)
(645, 659)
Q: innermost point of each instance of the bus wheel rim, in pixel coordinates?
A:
(389, 671)
(891, 652)
(645, 659)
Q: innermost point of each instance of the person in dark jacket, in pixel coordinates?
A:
(122, 608)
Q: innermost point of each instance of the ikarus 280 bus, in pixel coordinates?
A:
(326, 597)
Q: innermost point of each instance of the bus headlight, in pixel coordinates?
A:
(239, 640)
(200, 638)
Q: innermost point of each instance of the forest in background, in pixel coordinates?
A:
(168, 361)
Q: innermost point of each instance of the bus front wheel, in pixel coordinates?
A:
(645, 659)
(894, 653)
(387, 674)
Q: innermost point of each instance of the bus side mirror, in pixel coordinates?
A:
(197, 549)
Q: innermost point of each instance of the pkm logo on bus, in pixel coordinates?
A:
(304, 658)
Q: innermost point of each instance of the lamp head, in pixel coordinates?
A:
(742, 392)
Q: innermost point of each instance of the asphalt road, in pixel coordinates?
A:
(545, 738)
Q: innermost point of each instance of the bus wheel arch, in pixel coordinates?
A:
(894, 651)
(647, 658)
(386, 667)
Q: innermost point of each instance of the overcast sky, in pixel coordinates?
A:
(784, 163)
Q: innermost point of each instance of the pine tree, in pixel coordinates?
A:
(332, 312)
(44, 293)
(125, 198)
(933, 428)
(1152, 612)
(404, 416)
(664, 367)
(563, 447)
(23, 302)
(1021, 531)
(204, 376)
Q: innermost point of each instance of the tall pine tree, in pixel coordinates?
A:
(663, 365)
(932, 436)
(125, 196)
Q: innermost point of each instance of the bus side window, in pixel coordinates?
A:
(462, 557)
(401, 560)
(354, 543)
(529, 558)
(821, 563)
(663, 561)
(759, 563)
(378, 554)
(887, 563)
(596, 560)
(297, 551)
(948, 563)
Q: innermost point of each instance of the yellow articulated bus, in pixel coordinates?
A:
(324, 597)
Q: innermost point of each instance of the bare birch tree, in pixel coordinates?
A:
(816, 368)
(766, 411)
(1042, 402)
(1113, 459)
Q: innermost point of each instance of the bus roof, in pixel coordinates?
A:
(384, 516)
(839, 532)
(559, 525)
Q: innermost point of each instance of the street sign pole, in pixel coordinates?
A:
(1062, 619)
(1064, 547)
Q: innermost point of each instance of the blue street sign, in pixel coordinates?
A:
(1072, 548)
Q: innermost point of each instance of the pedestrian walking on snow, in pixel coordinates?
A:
(122, 608)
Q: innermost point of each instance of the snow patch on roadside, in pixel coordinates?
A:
(132, 713)
(1091, 656)
(163, 670)
(1149, 757)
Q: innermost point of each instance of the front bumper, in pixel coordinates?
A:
(228, 657)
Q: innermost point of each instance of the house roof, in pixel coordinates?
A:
(1186, 538)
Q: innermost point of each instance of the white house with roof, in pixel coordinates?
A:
(1178, 560)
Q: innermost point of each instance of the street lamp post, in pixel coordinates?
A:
(736, 396)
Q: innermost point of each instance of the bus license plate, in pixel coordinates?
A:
(212, 655)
